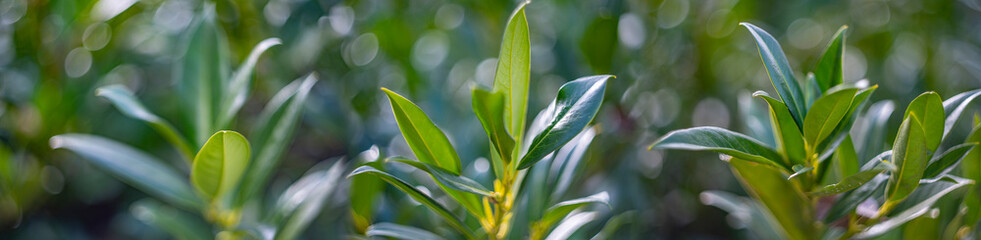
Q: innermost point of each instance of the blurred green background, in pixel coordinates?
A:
(678, 64)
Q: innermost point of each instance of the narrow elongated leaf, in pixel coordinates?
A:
(870, 129)
(451, 180)
(132, 167)
(428, 143)
(722, 141)
(514, 72)
(779, 71)
(780, 197)
(490, 110)
(220, 164)
(785, 129)
(302, 201)
(418, 196)
(746, 210)
(828, 72)
(400, 232)
(558, 211)
(179, 224)
(846, 159)
(812, 91)
(920, 203)
(203, 72)
(827, 112)
(238, 85)
(954, 107)
(850, 182)
(273, 133)
(910, 157)
(574, 107)
(929, 109)
(124, 100)
(568, 160)
(364, 191)
(850, 200)
(971, 169)
(571, 224)
(944, 162)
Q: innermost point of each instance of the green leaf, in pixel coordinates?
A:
(722, 141)
(238, 85)
(303, 200)
(910, 155)
(451, 180)
(400, 232)
(745, 210)
(846, 159)
(514, 72)
(558, 211)
(779, 71)
(220, 164)
(124, 100)
(971, 169)
(574, 107)
(428, 143)
(132, 167)
(364, 191)
(871, 129)
(954, 107)
(850, 182)
(273, 134)
(490, 110)
(785, 129)
(825, 115)
(943, 163)
(918, 203)
(418, 196)
(781, 198)
(572, 224)
(203, 72)
(929, 109)
(829, 69)
(850, 200)
(179, 224)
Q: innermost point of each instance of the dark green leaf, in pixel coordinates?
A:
(828, 73)
(722, 141)
(124, 100)
(428, 143)
(930, 111)
(943, 163)
(954, 107)
(918, 204)
(490, 110)
(779, 71)
(203, 72)
(785, 129)
(220, 164)
(400, 232)
(782, 199)
(910, 155)
(451, 180)
(574, 107)
(179, 224)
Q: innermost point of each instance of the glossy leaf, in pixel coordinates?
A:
(514, 72)
(785, 129)
(219, 165)
(574, 107)
(303, 200)
(273, 134)
(400, 232)
(826, 113)
(910, 155)
(779, 71)
(954, 107)
(428, 143)
(124, 100)
(944, 162)
(722, 141)
(238, 86)
(177, 223)
(781, 198)
(558, 211)
(929, 109)
(919, 203)
(132, 167)
(451, 180)
(490, 109)
(419, 196)
(203, 72)
(829, 69)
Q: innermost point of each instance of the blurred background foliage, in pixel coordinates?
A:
(678, 63)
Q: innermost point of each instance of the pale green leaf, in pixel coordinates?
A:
(782, 199)
(930, 111)
(400, 232)
(219, 165)
(561, 210)
(514, 72)
(427, 142)
(490, 110)
(124, 100)
(203, 72)
(238, 86)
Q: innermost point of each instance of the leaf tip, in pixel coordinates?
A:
(56, 142)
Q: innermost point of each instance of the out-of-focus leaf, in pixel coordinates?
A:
(722, 141)
(926, 226)
(971, 169)
(910, 157)
(574, 107)
(124, 100)
(571, 224)
(177, 223)
(787, 133)
(846, 159)
(871, 129)
(850, 182)
(219, 165)
(944, 162)
(779, 71)
(917, 204)
(273, 133)
(780, 197)
(614, 224)
(954, 107)
(930, 111)
(428, 143)
(203, 72)
(132, 167)
(419, 196)
(490, 110)
(851, 199)
(364, 191)
(558, 211)
(456, 182)
(828, 73)
(812, 91)
(400, 232)
(302, 201)
(514, 73)
(743, 209)
(825, 115)
(568, 160)
(238, 85)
